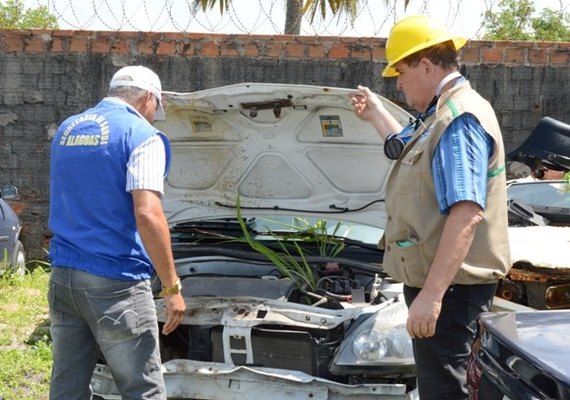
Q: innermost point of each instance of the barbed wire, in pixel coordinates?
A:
(373, 17)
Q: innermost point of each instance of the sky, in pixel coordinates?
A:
(464, 17)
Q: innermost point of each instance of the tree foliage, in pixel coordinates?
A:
(552, 25)
(295, 9)
(516, 20)
(14, 15)
(337, 7)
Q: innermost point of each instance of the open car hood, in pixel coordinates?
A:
(281, 148)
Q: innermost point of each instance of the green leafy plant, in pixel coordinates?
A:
(327, 244)
(291, 261)
(517, 20)
(4, 263)
(566, 186)
(300, 272)
(7, 271)
(15, 15)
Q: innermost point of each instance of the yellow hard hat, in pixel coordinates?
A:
(412, 34)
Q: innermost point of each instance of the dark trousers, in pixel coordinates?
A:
(441, 360)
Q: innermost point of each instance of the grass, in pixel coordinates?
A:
(25, 347)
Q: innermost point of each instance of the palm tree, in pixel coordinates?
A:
(297, 8)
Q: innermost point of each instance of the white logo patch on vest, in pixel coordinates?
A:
(69, 138)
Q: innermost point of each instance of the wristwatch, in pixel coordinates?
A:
(171, 290)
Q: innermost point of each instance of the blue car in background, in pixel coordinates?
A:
(12, 254)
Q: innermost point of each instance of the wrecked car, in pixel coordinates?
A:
(539, 236)
(275, 203)
(12, 254)
(539, 219)
(520, 355)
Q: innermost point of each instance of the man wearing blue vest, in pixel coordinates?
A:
(109, 236)
(446, 236)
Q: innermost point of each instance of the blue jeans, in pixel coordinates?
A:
(441, 360)
(90, 313)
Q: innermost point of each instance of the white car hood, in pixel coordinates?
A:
(283, 148)
(541, 246)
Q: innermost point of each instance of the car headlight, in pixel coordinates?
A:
(380, 339)
(375, 345)
(371, 346)
(401, 342)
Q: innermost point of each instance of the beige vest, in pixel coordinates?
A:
(414, 222)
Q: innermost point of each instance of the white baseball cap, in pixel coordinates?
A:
(142, 78)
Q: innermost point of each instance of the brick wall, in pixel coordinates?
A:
(49, 75)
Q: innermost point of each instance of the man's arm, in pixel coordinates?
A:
(457, 236)
(153, 229)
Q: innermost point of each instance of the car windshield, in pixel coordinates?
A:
(271, 226)
(550, 199)
(332, 227)
(542, 194)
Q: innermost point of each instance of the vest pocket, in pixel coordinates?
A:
(404, 261)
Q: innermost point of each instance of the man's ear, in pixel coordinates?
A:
(427, 65)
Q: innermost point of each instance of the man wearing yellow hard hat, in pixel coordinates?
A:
(446, 236)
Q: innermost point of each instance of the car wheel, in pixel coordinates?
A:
(18, 266)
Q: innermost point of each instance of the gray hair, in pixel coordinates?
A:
(128, 93)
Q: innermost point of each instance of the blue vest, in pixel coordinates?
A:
(91, 213)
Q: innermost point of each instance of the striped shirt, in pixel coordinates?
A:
(460, 163)
(146, 166)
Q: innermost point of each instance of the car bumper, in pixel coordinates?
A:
(209, 380)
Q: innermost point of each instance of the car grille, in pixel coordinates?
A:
(287, 349)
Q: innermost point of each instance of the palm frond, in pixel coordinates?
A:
(209, 4)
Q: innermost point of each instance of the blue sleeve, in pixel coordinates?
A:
(460, 163)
